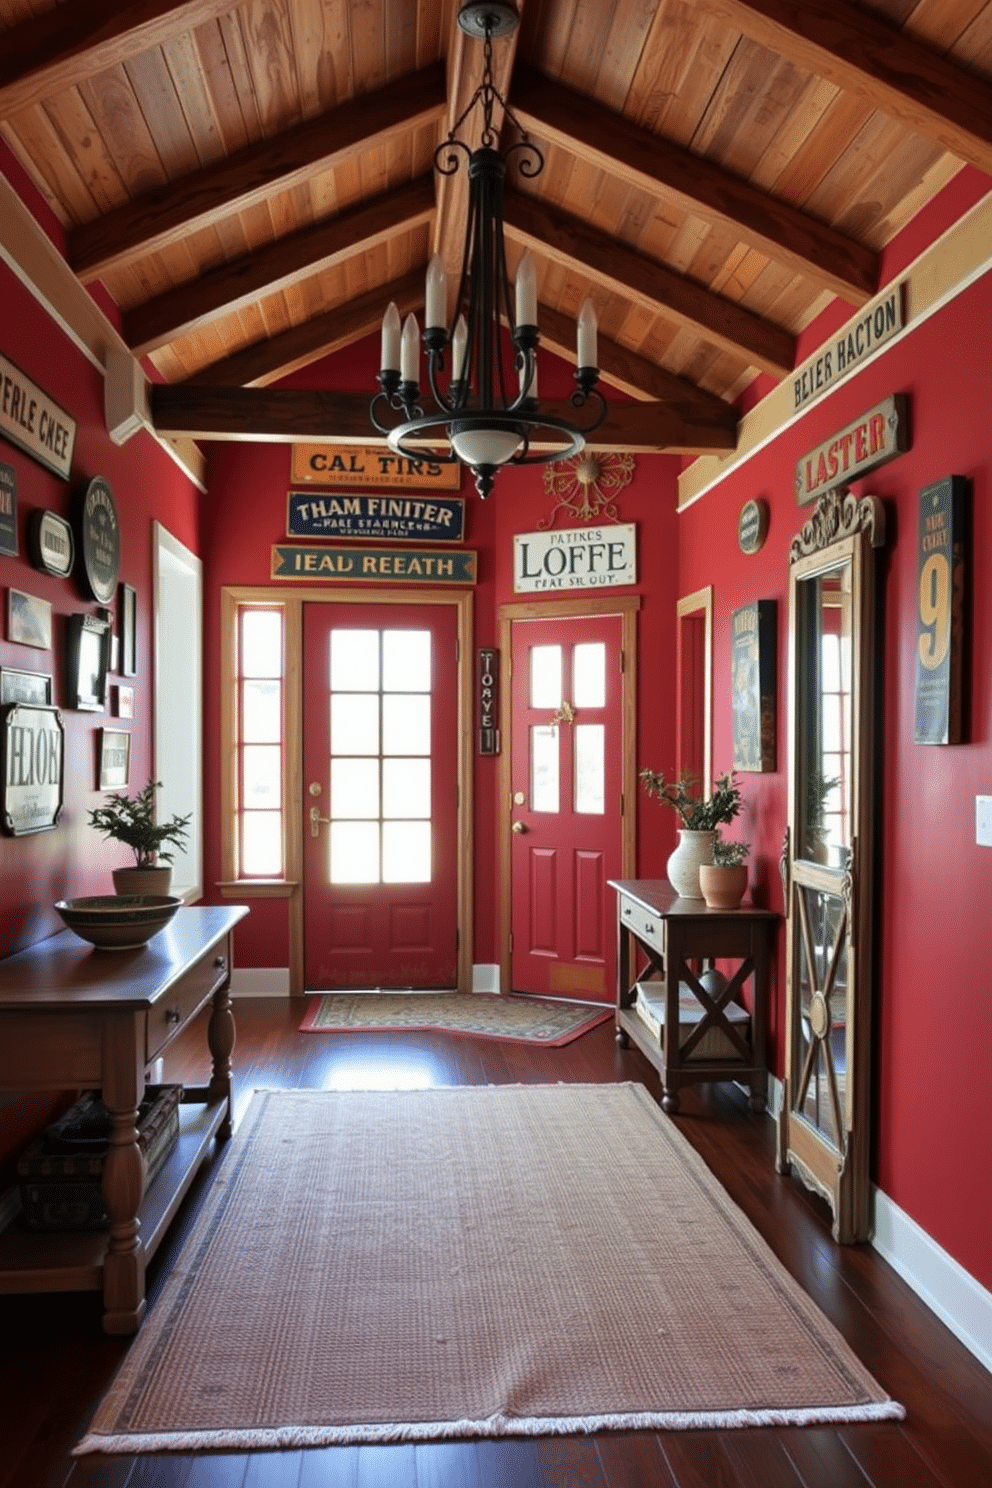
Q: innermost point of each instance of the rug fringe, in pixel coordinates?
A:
(286, 1438)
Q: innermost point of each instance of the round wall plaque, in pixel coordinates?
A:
(752, 526)
(50, 545)
(99, 537)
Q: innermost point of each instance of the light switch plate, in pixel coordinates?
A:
(983, 821)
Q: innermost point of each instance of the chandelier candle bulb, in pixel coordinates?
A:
(459, 342)
(587, 328)
(526, 292)
(436, 297)
(390, 360)
(410, 351)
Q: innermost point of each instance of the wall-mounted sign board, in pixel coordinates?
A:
(753, 691)
(940, 602)
(574, 558)
(30, 419)
(387, 518)
(373, 565)
(370, 465)
(752, 526)
(873, 439)
(8, 511)
(850, 348)
(31, 755)
(50, 544)
(99, 537)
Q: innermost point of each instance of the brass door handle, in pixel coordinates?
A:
(316, 819)
(518, 826)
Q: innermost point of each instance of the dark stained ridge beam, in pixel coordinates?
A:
(865, 55)
(67, 45)
(641, 160)
(171, 211)
(284, 415)
(330, 331)
(274, 266)
(722, 322)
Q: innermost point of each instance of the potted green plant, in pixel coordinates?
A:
(700, 816)
(724, 881)
(131, 820)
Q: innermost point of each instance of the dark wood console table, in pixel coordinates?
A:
(668, 938)
(71, 1018)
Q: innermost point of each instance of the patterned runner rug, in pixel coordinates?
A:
(471, 1261)
(545, 1020)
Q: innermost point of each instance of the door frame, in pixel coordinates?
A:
(292, 602)
(626, 606)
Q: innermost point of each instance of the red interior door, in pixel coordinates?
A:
(380, 796)
(567, 701)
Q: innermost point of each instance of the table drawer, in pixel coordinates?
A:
(642, 923)
(175, 1007)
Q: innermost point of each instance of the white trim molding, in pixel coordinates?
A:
(260, 981)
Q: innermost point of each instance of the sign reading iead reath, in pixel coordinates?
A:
(375, 518)
(370, 465)
(574, 558)
(877, 436)
(30, 419)
(373, 565)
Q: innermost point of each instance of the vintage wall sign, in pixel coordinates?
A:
(753, 710)
(752, 526)
(375, 518)
(874, 438)
(858, 340)
(8, 511)
(373, 565)
(370, 465)
(488, 700)
(32, 744)
(574, 558)
(31, 420)
(940, 595)
(50, 544)
(99, 536)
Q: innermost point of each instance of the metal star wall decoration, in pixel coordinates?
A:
(586, 487)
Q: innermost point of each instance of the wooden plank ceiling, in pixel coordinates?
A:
(253, 182)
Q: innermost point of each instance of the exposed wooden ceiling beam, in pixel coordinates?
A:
(282, 415)
(640, 377)
(171, 211)
(319, 336)
(68, 44)
(645, 161)
(270, 268)
(720, 321)
(864, 54)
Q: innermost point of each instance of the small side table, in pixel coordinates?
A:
(661, 941)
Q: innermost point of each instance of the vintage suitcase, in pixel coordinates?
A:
(61, 1170)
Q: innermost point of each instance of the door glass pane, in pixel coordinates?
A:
(544, 787)
(406, 723)
(261, 844)
(262, 777)
(823, 1013)
(355, 660)
(354, 788)
(261, 716)
(261, 643)
(354, 848)
(406, 661)
(406, 787)
(406, 852)
(590, 767)
(354, 723)
(589, 675)
(545, 676)
(824, 688)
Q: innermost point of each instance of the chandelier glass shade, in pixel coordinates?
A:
(483, 408)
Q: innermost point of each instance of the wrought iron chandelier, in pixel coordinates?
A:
(480, 417)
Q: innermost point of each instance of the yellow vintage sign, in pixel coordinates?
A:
(371, 465)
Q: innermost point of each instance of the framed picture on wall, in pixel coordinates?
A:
(87, 656)
(29, 620)
(115, 759)
(123, 701)
(25, 687)
(753, 685)
(127, 610)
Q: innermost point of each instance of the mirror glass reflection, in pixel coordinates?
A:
(824, 661)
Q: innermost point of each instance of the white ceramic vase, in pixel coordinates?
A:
(683, 866)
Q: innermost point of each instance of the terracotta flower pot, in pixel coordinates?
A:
(723, 887)
(143, 880)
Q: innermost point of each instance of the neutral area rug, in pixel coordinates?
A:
(483, 1261)
(543, 1020)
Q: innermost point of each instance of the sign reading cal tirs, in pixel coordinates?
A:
(371, 465)
(373, 565)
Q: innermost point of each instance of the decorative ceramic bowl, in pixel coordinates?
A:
(118, 922)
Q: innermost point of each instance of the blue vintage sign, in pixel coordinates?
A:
(384, 518)
(373, 565)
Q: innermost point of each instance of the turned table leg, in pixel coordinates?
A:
(123, 1178)
(220, 1038)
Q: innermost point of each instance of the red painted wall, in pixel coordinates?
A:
(933, 1136)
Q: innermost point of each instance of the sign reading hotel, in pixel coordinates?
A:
(371, 465)
(377, 518)
(574, 558)
(29, 419)
(874, 438)
(373, 565)
(851, 347)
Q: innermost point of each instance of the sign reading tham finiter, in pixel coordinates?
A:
(386, 518)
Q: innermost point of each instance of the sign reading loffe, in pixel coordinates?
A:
(574, 558)
(874, 438)
(31, 420)
(375, 518)
(370, 465)
(373, 565)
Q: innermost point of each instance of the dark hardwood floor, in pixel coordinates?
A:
(56, 1362)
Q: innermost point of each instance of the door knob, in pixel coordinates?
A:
(315, 821)
(518, 826)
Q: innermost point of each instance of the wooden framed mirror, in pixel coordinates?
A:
(828, 856)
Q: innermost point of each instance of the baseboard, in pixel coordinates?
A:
(260, 981)
(485, 978)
